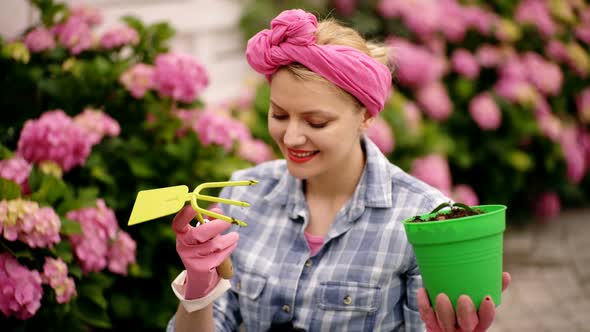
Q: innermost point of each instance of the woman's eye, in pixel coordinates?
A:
(318, 125)
(279, 116)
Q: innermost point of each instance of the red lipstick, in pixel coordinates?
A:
(300, 156)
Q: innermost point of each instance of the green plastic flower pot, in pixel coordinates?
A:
(461, 256)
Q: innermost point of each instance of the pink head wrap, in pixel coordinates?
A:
(292, 39)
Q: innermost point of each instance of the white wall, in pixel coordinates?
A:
(208, 29)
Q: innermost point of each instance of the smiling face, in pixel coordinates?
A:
(316, 126)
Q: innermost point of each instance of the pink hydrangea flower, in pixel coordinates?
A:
(121, 253)
(421, 16)
(99, 226)
(515, 90)
(55, 274)
(119, 36)
(544, 75)
(74, 34)
(550, 126)
(485, 112)
(245, 99)
(480, 19)
(455, 29)
(27, 222)
(547, 206)
(582, 104)
(574, 153)
(585, 144)
(54, 137)
(179, 76)
(488, 56)
(39, 40)
(41, 228)
(415, 66)
(413, 117)
(97, 125)
(21, 289)
(463, 193)
(435, 101)
(514, 69)
(382, 135)
(583, 32)
(16, 169)
(536, 13)
(90, 15)
(556, 50)
(389, 8)
(187, 118)
(465, 63)
(218, 128)
(345, 7)
(434, 170)
(138, 79)
(255, 151)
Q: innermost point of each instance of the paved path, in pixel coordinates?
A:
(550, 268)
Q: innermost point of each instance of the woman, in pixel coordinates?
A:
(325, 249)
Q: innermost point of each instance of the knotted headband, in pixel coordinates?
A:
(292, 39)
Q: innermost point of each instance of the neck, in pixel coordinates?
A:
(338, 185)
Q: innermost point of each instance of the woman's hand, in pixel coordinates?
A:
(202, 249)
(465, 320)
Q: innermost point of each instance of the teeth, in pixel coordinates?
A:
(302, 155)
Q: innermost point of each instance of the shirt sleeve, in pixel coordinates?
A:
(226, 312)
(413, 322)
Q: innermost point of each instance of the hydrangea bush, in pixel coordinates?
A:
(89, 120)
(491, 99)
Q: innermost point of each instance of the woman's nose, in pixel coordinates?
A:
(294, 136)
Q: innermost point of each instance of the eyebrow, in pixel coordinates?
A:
(313, 111)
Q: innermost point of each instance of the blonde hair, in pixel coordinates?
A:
(332, 32)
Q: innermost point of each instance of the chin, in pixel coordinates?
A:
(297, 172)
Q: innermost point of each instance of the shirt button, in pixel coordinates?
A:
(347, 300)
(286, 308)
(308, 263)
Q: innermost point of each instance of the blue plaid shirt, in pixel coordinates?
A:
(364, 278)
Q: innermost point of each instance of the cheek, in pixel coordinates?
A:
(275, 131)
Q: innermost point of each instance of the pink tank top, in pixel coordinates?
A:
(314, 241)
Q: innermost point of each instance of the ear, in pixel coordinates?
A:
(367, 120)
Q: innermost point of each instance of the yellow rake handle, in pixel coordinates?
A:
(226, 269)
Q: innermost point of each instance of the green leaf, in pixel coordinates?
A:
(92, 313)
(134, 23)
(5, 152)
(70, 227)
(35, 179)
(49, 190)
(140, 168)
(520, 160)
(93, 293)
(24, 254)
(9, 189)
(63, 250)
(75, 270)
(441, 206)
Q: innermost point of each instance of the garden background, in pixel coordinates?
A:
(492, 106)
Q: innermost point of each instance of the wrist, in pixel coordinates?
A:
(198, 285)
(190, 305)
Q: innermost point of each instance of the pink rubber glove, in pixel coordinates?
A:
(466, 319)
(202, 249)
